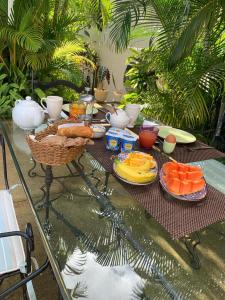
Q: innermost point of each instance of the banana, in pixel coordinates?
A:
(131, 174)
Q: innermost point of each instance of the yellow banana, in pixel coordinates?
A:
(132, 174)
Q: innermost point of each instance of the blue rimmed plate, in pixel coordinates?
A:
(194, 197)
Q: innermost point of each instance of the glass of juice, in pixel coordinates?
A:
(148, 136)
(77, 109)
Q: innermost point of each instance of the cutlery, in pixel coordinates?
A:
(160, 151)
(98, 120)
(103, 124)
(198, 148)
(103, 110)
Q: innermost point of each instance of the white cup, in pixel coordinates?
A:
(54, 106)
(132, 111)
(168, 147)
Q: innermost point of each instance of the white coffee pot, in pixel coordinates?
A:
(28, 114)
(118, 119)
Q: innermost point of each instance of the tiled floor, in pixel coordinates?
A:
(45, 285)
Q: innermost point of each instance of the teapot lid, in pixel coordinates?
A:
(29, 102)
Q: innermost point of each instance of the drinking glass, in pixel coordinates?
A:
(148, 136)
(77, 109)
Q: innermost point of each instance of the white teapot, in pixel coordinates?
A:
(118, 119)
(27, 114)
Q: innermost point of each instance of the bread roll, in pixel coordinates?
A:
(54, 140)
(78, 142)
(76, 131)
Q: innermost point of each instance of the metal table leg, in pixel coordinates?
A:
(4, 162)
(191, 245)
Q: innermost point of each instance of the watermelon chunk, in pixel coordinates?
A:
(185, 187)
(195, 168)
(173, 185)
(183, 168)
(170, 166)
(197, 185)
(194, 175)
(182, 175)
(182, 179)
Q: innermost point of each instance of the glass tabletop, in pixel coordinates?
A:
(103, 245)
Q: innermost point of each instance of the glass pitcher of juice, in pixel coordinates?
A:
(148, 136)
(77, 109)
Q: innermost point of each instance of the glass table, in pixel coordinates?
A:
(103, 245)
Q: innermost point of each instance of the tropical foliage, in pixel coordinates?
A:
(41, 35)
(185, 68)
(41, 39)
(10, 91)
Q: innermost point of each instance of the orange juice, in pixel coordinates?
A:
(77, 108)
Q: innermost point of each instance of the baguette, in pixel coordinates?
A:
(75, 131)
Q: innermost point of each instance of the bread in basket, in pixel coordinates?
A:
(54, 155)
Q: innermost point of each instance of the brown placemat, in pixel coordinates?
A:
(177, 218)
(182, 154)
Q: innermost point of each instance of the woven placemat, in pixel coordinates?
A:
(177, 218)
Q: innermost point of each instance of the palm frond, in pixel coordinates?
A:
(138, 292)
(37, 61)
(100, 11)
(74, 52)
(30, 39)
(205, 16)
(69, 48)
(126, 14)
(213, 79)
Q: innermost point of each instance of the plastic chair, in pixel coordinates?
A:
(14, 259)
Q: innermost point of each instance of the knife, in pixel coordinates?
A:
(160, 151)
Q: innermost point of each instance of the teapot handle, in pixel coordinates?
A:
(107, 116)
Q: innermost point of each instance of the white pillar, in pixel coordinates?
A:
(10, 6)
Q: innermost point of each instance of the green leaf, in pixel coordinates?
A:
(40, 93)
(193, 29)
(3, 76)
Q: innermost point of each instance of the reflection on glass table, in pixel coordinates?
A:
(104, 245)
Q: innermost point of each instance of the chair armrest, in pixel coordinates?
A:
(24, 281)
(28, 236)
(14, 233)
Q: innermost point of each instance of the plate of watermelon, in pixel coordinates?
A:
(183, 182)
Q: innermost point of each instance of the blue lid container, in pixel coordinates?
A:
(128, 143)
(112, 141)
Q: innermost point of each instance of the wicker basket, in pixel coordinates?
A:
(50, 154)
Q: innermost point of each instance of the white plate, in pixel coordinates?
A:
(181, 135)
(66, 107)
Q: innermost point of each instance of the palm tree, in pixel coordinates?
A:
(186, 34)
(42, 35)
